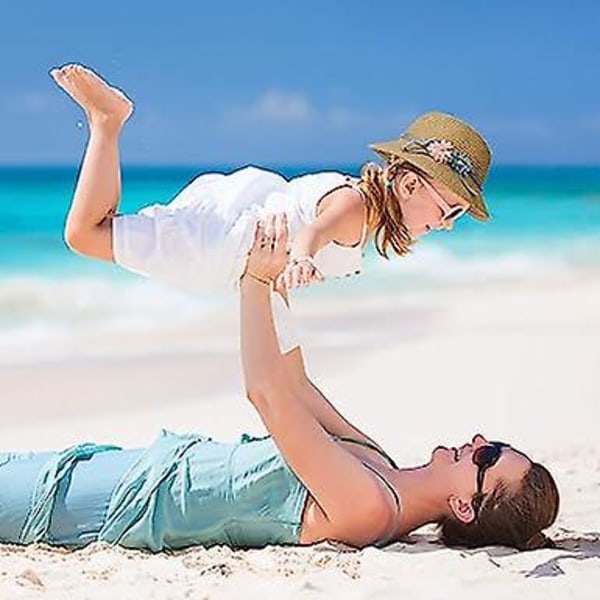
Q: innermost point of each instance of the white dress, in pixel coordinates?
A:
(199, 241)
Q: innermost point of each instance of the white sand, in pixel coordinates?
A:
(518, 361)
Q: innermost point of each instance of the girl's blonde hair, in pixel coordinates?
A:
(384, 215)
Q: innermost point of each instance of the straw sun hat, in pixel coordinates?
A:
(449, 151)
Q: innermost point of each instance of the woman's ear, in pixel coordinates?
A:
(407, 184)
(462, 509)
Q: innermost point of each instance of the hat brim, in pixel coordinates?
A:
(392, 151)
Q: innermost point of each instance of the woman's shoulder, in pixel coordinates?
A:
(374, 524)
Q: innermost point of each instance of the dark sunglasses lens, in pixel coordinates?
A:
(455, 212)
(487, 456)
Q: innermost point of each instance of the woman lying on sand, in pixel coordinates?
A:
(315, 477)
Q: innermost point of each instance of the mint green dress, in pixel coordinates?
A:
(183, 490)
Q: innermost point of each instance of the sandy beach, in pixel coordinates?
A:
(518, 360)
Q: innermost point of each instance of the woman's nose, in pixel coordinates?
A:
(479, 440)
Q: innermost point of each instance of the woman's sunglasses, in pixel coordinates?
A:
(485, 457)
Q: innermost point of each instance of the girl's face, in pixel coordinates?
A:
(425, 203)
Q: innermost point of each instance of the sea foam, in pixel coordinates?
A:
(58, 318)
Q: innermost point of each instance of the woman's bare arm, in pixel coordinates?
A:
(324, 411)
(331, 474)
(304, 388)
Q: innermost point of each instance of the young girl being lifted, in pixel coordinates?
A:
(433, 174)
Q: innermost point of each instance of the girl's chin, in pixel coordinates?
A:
(415, 235)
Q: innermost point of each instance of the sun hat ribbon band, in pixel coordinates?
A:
(444, 152)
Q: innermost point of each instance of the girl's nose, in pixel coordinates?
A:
(444, 225)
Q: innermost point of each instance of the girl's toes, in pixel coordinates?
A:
(72, 69)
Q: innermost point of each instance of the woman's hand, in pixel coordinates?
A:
(268, 255)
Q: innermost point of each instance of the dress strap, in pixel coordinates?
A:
(385, 540)
(387, 484)
(352, 182)
(365, 444)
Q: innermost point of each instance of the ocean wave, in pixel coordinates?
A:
(438, 265)
(435, 266)
(57, 318)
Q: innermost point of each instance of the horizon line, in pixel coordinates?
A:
(273, 165)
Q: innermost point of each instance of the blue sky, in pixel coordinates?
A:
(306, 82)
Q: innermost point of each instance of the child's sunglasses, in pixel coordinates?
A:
(449, 213)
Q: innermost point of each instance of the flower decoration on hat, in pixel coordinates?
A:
(443, 152)
(461, 163)
(440, 150)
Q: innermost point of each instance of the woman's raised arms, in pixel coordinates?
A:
(351, 497)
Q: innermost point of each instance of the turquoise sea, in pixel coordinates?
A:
(546, 219)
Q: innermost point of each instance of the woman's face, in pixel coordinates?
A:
(421, 202)
(457, 471)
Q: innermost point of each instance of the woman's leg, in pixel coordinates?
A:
(98, 188)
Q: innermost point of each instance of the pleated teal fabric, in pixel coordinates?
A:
(37, 524)
(189, 489)
(183, 490)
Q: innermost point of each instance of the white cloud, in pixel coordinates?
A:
(276, 125)
(34, 103)
(279, 107)
(519, 127)
(386, 124)
(274, 106)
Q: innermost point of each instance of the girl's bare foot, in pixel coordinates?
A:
(103, 104)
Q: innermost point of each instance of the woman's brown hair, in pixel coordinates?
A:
(510, 519)
(384, 215)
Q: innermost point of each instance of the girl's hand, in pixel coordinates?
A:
(299, 272)
(268, 255)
